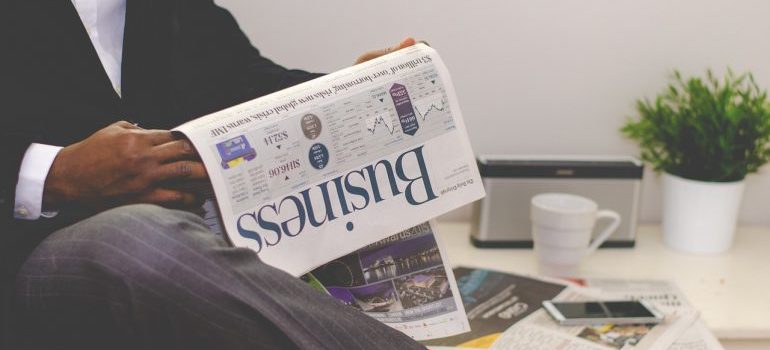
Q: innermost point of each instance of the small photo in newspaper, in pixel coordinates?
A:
(401, 281)
(616, 336)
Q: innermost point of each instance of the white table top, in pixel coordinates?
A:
(731, 290)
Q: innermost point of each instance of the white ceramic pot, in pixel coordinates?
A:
(700, 216)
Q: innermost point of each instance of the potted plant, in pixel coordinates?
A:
(705, 135)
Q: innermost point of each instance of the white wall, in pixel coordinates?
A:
(536, 76)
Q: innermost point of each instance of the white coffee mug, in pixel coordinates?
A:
(562, 225)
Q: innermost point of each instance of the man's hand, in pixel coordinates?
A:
(377, 53)
(123, 164)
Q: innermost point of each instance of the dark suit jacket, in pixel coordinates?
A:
(181, 59)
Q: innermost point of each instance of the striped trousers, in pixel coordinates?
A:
(145, 277)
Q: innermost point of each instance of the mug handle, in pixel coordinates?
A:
(602, 214)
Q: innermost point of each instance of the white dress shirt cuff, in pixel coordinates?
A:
(29, 190)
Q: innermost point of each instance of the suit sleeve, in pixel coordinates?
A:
(260, 75)
(13, 141)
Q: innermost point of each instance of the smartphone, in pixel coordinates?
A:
(601, 312)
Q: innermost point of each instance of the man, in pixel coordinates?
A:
(94, 253)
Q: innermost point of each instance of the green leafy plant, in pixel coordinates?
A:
(707, 130)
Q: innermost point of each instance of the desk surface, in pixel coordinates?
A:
(731, 290)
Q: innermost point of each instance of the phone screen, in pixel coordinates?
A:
(610, 309)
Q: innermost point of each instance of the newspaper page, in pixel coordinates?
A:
(540, 331)
(403, 281)
(314, 172)
(697, 337)
(668, 298)
(494, 301)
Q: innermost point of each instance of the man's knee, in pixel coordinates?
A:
(122, 236)
(160, 220)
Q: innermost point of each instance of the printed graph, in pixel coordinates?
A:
(430, 106)
(425, 110)
(380, 124)
(430, 103)
(433, 112)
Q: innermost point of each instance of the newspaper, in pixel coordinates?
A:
(505, 313)
(342, 161)
(668, 298)
(494, 301)
(403, 281)
(317, 171)
(697, 337)
(540, 331)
